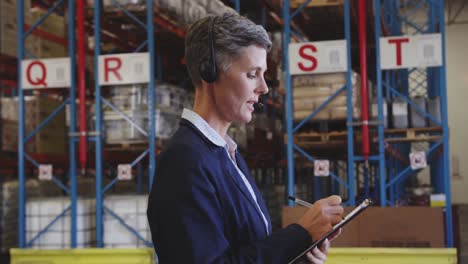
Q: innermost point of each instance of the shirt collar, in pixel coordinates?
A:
(213, 136)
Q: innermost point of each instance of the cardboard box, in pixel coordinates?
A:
(386, 227)
(50, 139)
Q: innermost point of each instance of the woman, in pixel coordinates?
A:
(204, 206)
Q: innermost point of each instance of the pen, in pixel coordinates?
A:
(299, 201)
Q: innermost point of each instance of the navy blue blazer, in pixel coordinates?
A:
(200, 210)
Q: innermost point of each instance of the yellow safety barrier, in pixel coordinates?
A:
(392, 256)
(83, 256)
(146, 256)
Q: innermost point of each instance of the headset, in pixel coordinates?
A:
(208, 69)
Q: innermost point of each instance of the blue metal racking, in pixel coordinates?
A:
(23, 138)
(400, 84)
(291, 129)
(151, 151)
(385, 173)
(73, 173)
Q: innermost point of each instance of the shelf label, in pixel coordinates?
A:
(45, 172)
(322, 168)
(410, 51)
(418, 160)
(124, 172)
(46, 73)
(318, 57)
(128, 68)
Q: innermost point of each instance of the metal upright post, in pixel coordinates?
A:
(98, 125)
(444, 112)
(289, 110)
(380, 126)
(349, 103)
(21, 130)
(151, 91)
(72, 127)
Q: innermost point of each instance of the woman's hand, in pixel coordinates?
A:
(319, 256)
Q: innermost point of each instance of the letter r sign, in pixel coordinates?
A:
(126, 68)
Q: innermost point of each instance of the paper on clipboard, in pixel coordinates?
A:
(359, 209)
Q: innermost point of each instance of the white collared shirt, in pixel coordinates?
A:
(227, 143)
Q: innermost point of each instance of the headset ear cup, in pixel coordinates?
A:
(207, 73)
(208, 69)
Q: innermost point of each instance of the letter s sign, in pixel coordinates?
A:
(318, 57)
(303, 53)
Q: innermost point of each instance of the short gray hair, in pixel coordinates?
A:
(232, 32)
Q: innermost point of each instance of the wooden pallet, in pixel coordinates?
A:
(413, 134)
(133, 145)
(314, 139)
(316, 3)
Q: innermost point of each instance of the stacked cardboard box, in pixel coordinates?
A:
(421, 227)
(311, 91)
(53, 24)
(8, 25)
(50, 139)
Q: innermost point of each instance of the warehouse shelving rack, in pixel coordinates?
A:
(386, 170)
(36, 160)
(99, 101)
(153, 20)
(395, 18)
(72, 163)
(349, 183)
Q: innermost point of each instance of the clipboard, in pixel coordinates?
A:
(359, 209)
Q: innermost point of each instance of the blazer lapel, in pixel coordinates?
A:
(241, 185)
(243, 167)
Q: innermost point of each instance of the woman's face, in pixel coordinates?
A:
(237, 89)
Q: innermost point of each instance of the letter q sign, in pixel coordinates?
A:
(45, 73)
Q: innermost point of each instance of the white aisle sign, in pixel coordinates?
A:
(321, 168)
(318, 57)
(45, 73)
(418, 160)
(411, 51)
(125, 68)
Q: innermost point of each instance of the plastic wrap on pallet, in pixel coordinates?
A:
(120, 2)
(375, 113)
(40, 212)
(132, 100)
(9, 211)
(135, 97)
(400, 114)
(131, 209)
(118, 130)
(129, 97)
(433, 105)
(166, 123)
(417, 119)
